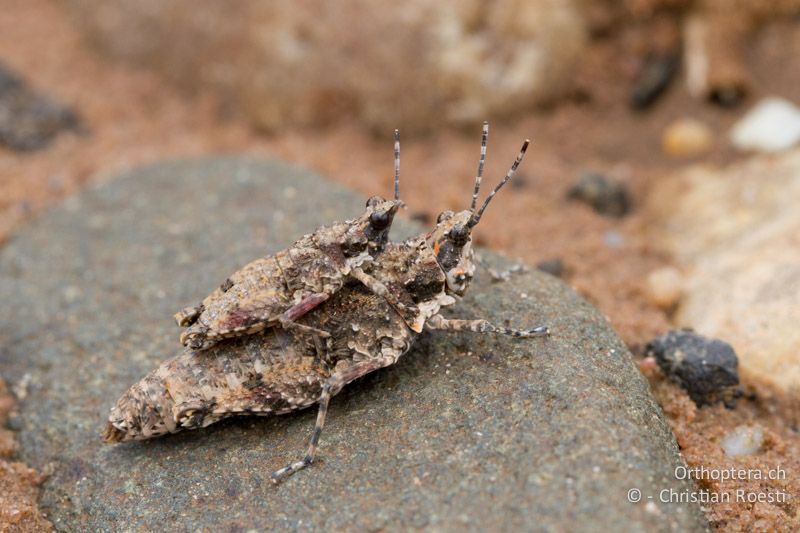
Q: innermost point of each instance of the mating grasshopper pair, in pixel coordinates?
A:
(291, 330)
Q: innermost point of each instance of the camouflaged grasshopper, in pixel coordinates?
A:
(278, 289)
(278, 371)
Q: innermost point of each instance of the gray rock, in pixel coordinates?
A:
(466, 432)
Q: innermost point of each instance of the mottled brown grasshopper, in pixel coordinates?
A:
(278, 371)
(278, 289)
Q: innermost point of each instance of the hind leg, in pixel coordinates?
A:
(306, 305)
(290, 469)
(331, 387)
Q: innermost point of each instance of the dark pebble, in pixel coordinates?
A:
(656, 75)
(554, 267)
(705, 368)
(29, 120)
(422, 217)
(728, 97)
(606, 196)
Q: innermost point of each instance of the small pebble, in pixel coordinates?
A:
(729, 95)
(652, 508)
(613, 239)
(648, 364)
(706, 368)
(656, 75)
(606, 196)
(773, 125)
(744, 440)
(665, 287)
(30, 120)
(422, 217)
(687, 137)
(554, 267)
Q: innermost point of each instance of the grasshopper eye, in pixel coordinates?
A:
(444, 215)
(375, 201)
(459, 235)
(379, 219)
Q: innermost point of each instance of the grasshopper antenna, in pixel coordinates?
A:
(481, 162)
(477, 216)
(396, 164)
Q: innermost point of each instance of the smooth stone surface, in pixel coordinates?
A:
(736, 233)
(465, 432)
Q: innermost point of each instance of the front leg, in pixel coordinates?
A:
(483, 326)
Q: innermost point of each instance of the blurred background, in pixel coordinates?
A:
(625, 92)
(662, 182)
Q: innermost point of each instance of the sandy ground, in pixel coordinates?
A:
(134, 118)
(771, 474)
(19, 485)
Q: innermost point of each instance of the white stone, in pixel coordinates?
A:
(773, 125)
(735, 233)
(744, 440)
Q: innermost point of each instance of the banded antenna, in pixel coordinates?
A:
(396, 164)
(481, 162)
(477, 216)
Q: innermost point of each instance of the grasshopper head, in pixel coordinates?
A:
(370, 232)
(376, 222)
(451, 239)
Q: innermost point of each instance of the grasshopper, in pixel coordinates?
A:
(278, 289)
(277, 371)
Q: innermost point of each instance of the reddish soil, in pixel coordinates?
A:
(771, 474)
(134, 118)
(19, 485)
